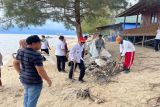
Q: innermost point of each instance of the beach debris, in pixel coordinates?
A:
(154, 85)
(81, 94)
(103, 69)
(154, 102)
(85, 93)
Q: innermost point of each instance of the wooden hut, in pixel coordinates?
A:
(150, 20)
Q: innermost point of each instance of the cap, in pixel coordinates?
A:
(82, 39)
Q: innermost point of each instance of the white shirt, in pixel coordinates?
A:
(75, 53)
(127, 46)
(60, 48)
(44, 44)
(158, 34)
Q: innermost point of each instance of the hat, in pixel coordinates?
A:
(118, 39)
(82, 39)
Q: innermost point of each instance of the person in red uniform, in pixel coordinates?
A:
(127, 50)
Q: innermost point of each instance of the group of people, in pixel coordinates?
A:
(75, 57)
(28, 62)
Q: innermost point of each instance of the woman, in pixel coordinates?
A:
(22, 45)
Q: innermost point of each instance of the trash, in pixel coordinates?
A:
(80, 94)
(105, 53)
(103, 69)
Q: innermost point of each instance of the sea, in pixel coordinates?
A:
(9, 43)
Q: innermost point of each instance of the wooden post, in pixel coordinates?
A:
(134, 40)
(137, 20)
(143, 41)
(124, 22)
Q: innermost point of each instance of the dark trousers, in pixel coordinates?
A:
(156, 43)
(81, 67)
(61, 63)
(45, 50)
(0, 78)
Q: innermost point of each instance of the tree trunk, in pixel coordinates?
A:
(78, 18)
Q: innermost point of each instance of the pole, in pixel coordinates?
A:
(137, 20)
(124, 22)
(143, 41)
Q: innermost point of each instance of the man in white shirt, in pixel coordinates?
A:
(127, 50)
(45, 45)
(75, 57)
(60, 54)
(157, 40)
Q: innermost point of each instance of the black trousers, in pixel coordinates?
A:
(45, 50)
(81, 67)
(156, 43)
(0, 78)
(61, 60)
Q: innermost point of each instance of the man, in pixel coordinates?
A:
(60, 54)
(45, 45)
(99, 44)
(29, 65)
(127, 50)
(157, 40)
(1, 63)
(75, 56)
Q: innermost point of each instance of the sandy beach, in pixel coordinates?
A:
(140, 88)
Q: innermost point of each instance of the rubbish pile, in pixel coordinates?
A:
(81, 94)
(103, 69)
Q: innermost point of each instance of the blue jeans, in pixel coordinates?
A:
(31, 94)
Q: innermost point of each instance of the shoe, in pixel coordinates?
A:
(127, 71)
(63, 71)
(82, 81)
(70, 80)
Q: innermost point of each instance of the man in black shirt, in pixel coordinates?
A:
(29, 65)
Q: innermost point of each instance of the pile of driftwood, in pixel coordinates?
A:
(103, 69)
(85, 93)
(81, 94)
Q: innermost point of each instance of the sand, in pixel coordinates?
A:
(130, 90)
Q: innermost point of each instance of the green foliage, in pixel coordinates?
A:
(89, 24)
(35, 12)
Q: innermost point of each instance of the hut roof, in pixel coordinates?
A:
(140, 7)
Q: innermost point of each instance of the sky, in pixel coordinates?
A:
(50, 28)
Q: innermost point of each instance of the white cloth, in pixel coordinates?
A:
(44, 44)
(127, 46)
(75, 53)
(60, 48)
(158, 34)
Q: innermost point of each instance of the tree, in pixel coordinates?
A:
(89, 25)
(71, 12)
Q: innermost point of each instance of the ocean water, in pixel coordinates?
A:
(9, 43)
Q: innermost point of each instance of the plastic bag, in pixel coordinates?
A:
(105, 53)
(92, 50)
